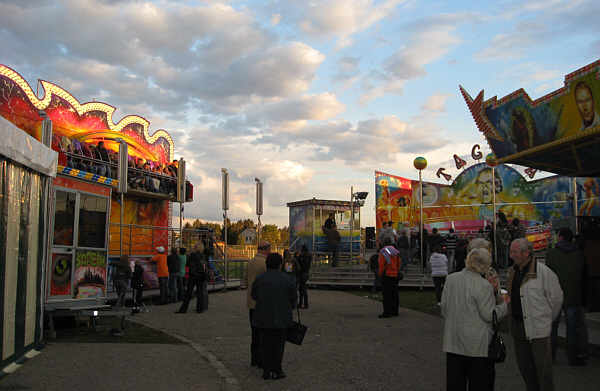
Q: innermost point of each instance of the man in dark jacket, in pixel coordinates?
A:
(174, 265)
(275, 295)
(570, 266)
(451, 241)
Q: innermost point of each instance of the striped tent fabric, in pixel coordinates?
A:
(22, 217)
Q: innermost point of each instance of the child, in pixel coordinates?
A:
(137, 282)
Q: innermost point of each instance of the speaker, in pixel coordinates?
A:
(370, 237)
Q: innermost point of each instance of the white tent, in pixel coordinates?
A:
(26, 168)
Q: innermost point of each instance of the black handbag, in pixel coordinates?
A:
(296, 331)
(496, 348)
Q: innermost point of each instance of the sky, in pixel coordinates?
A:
(311, 97)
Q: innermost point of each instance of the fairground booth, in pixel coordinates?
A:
(308, 217)
(111, 193)
(558, 133)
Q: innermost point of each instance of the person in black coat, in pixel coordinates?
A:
(198, 271)
(275, 295)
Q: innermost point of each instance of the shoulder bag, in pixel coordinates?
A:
(496, 348)
(296, 331)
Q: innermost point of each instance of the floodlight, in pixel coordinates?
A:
(361, 195)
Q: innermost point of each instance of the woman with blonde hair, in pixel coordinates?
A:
(468, 303)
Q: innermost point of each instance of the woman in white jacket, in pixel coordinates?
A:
(439, 271)
(468, 303)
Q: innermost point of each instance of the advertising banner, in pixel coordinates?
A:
(90, 274)
(468, 203)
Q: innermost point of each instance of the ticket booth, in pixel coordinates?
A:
(307, 218)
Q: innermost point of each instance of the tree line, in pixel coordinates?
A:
(269, 232)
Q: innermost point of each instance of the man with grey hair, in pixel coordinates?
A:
(536, 299)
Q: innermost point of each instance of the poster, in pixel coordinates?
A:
(90, 274)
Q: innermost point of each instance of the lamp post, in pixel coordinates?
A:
(225, 207)
(359, 199)
(420, 164)
(351, 223)
(122, 185)
(259, 203)
(181, 195)
(491, 161)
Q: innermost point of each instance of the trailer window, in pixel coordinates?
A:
(64, 217)
(92, 221)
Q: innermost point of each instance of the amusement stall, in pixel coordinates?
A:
(308, 217)
(113, 193)
(558, 133)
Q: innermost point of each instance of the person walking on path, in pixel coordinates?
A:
(305, 262)
(275, 296)
(162, 272)
(256, 266)
(439, 271)
(389, 264)
(570, 266)
(198, 271)
(536, 300)
(468, 303)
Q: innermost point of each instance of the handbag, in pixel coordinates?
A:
(496, 348)
(297, 331)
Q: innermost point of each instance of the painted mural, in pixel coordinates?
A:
(77, 127)
(467, 203)
(90, 122)
(516, 124)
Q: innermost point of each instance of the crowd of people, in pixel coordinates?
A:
(178, 274)
(467, 289)
(143, 174)
(470, 298)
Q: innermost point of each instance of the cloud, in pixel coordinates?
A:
(425, 41)
(343, 19)
(436, 102)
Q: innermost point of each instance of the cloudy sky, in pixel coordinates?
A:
(309, 96)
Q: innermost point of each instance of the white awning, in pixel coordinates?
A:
(20, 147)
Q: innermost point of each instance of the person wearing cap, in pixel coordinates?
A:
(162, 272)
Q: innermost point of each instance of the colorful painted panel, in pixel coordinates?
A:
(556, 133)
(393, 199)
(467, 204)
(90, 122)
(145, 219)
(90, 274)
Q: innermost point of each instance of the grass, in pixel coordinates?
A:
(68, 331)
